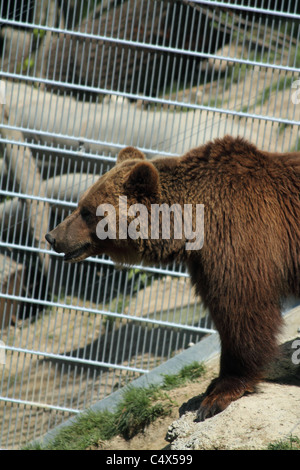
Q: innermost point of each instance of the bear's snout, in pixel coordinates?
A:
(55, 240)
(50, 239)
(76, 243)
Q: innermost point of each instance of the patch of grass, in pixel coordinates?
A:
(88, 428)
(138, 408)
(189, 373)
(292, 443)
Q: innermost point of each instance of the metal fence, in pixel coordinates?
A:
(79, 81)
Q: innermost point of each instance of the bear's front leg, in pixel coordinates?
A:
(248, 345)
(220, 393)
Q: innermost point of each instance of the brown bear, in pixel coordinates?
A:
(250, 258)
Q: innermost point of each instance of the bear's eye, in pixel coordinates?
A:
(85, 214)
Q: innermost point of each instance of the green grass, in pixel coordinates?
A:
(138, 408)
(189, 373)
(292, 443)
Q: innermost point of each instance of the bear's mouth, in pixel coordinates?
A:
(77, 255)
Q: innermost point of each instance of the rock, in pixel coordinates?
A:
(252, 422)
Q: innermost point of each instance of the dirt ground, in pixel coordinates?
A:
(269, 415)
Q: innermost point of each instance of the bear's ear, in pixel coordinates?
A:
(130, 153)
(143, 181)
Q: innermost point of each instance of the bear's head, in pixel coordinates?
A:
(97, 225)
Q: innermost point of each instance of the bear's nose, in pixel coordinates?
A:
(50, 239)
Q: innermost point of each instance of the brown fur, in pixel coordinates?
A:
(250, 258)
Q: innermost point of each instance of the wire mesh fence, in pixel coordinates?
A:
(79, 81)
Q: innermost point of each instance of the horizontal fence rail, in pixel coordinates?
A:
(79, 81)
